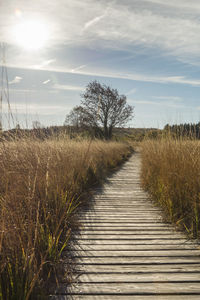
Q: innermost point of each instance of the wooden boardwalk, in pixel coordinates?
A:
(126, 251)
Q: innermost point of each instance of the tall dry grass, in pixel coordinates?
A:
(171, 173)
(40, 186)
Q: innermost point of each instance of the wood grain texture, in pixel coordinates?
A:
(126, 251)
(126, 297)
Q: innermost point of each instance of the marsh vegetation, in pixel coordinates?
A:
(171, 174)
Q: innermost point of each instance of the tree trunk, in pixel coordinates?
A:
(110, 132)
(106, 130)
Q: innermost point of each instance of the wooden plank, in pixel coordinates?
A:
(119, 212)
(126, 224)
(137, 277)
(136, 226)
(93, 227)
(136, 288)
(138, 208)
(129, 236)
(121, 220)
(121, 215)
(126, 297)
(139, 260)
(148, 268)
(121, 205)
(133, 209)
(164, 246)
(130, 231)
(124, 206)
(133, 196)
(122, 201)
(128, 194)
(145, 241)
(135, 192)
(137, 253)
(125, 211)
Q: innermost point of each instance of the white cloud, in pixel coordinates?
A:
(122, 75)
(15, 90)
(17, 79)
(46, 81)
(67, 87)
(144, 22)
(190, 6)
(168, 98)
(141, 77)
(171, 26)
(78, 68)
(161, 103)
(130, 92)
(23, 108)
(45, 63)
(155, 79)
(93, 21)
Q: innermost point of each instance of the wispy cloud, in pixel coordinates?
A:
(93, 21)
(168, 98)
(16, 90)
(141, 77)
(125, 24)
(155, 79)
(122, 75)
(67, 87)
(190, 6)
(48, 62)
(16, 80)
(45, 63)
(36, 108)
(130, 92)
(46, 81)
(78, 68)
(157, 103)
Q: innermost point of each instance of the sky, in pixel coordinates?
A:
(148, 49)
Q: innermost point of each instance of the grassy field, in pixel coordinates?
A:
(41, 183)
(171, 173)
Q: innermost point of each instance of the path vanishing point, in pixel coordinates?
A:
(126, 250)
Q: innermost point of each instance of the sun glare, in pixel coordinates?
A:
(31, 35)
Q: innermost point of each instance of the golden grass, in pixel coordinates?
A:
(171, 173)
(40, 186)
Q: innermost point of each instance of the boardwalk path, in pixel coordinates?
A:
(126, 251)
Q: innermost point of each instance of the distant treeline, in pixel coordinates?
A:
(43, 133)
(38, 133)
(184, 130)
(187, 130)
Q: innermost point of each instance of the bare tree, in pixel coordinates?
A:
(76, 117)
(104, 108)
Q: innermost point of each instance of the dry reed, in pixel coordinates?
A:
(171, 173)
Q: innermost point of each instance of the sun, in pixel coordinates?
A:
(31, 35)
